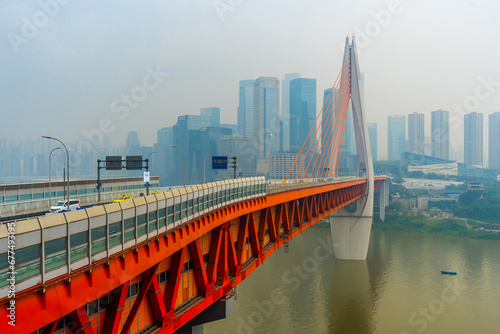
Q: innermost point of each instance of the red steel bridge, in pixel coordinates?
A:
(170, 261)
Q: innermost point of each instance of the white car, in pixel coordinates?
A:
(61, 205)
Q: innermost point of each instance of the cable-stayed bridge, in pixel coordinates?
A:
(169, 262)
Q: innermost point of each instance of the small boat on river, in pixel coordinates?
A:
(446, 272)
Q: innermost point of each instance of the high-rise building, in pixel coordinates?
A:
(285, 110)
(494, 141)
(372, 133)
(133, 142)
(440, 137)
(233, 127)
(302, 114)
(396, 137)
(266, 129)
(244, 150)
(473, 139)
(416, 139)
(213, 112)
(246, 108)
(162, 161)
(182, 139)
(204, 143)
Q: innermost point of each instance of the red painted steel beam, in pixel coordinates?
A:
(200, 273)
(222, 265)
(213, 257)
(174, 279)
(242, 237)
(80, 321)
(273, 229)
(147, 277)
(254, 240)
(114, 312)
(49, 329)
(262, 227)
(61, 297)
(156, 301)
(232, 261)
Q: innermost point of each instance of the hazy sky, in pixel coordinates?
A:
(68, 67)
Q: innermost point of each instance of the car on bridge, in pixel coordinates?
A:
(122, 198)
(61, 205)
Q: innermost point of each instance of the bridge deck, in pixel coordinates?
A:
(117, 246)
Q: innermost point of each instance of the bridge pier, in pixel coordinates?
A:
(350, 235)
(219, 310)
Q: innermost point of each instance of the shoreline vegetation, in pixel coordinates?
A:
(445, 226)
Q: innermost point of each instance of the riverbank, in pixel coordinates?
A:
(446, 226)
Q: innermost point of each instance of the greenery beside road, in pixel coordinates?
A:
(480, 205)
(394, 221)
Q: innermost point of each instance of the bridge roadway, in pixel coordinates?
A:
(182, 250)
(22, 200)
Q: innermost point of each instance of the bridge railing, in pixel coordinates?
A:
(36, 197)
(57, 244)
(279, 185)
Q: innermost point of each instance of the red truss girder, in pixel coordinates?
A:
(295, 210)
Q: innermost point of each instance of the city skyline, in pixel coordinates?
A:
(98, 69)
(473, 139)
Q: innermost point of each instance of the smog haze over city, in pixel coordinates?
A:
(68, 68)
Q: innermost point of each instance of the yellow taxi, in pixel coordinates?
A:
(122, 198)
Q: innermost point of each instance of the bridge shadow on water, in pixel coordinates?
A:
(352, 298)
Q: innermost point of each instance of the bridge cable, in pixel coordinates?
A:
(310, 144)
(300, 151)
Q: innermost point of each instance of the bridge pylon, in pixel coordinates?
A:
(351, 231)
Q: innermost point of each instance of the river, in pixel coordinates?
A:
(398, 289)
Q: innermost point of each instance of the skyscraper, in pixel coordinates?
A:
(162, 160)
(285, 110)
(440, 137)
(132, 142)
(302, 113)
(396, 137)
(183, 140)
(473, 139)
(212, 112)
(372, 133)
(494, 141)
(416, 133)
(246, 108)
(266, 126)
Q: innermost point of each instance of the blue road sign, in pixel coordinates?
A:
(219, 162)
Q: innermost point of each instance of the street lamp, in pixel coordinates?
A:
(270, 136)
(67, 165)
(183, 165)
(147, 162)
(50, 173)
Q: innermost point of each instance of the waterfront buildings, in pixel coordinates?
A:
(396, 126)
(416, 138)
(473, 139)
(440, 138)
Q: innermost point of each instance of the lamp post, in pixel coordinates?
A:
(67, 166)
(270, 159)
(50, 173)
(147, 164)
(270, 137)
(183, 165)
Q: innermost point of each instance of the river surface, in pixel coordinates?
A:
(398, 289)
